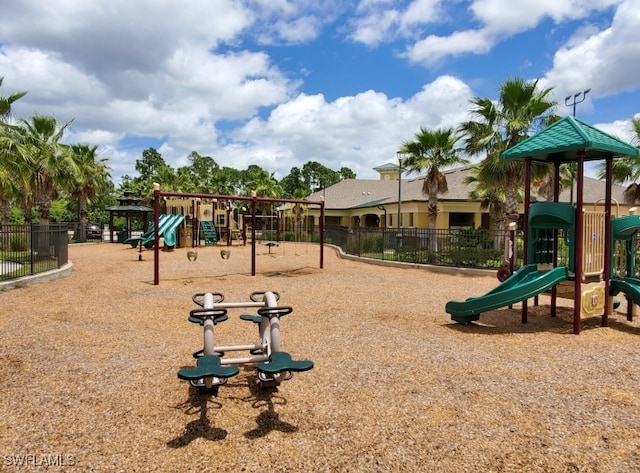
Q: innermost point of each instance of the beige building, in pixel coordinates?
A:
(374, 203)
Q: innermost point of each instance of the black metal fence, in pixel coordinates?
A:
(30, 249)
(470, 248)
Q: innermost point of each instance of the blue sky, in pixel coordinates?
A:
(278, 83)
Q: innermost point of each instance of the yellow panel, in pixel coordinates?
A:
(592, 298)
(593, 242)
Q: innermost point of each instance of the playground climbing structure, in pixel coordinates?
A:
(587, 276)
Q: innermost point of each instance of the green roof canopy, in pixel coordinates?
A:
(561, 141)
(128, 208)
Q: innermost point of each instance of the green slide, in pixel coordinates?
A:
(625, 229)
(135, 241)
(630, 287)
(167, 228)
(170, 239)
(523, 284)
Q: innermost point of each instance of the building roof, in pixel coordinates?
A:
(359, 193)
(387, 166)
(129, 208)
(561, 141)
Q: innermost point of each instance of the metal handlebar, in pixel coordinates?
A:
(275, 311)
(258, 296)
(204, 313)
(198, 298)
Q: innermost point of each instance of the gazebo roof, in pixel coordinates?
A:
(129, 208)
(129, 203)
(561, 141)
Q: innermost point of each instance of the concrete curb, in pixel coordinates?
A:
(30, 280)
(427, 267)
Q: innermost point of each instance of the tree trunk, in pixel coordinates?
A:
(42, 245)
(500, 230)
(82, 210)
(432, 210)
(5, 211)
(512, 201)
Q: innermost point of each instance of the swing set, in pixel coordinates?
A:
(249, 220)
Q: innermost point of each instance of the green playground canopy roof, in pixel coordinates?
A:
(561, 141)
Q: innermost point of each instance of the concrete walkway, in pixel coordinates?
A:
(8, 266)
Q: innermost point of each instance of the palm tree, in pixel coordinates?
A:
(9, 172)
(491, 198)
(628, 169)
(501, 125)
(7, 101)
(170, 180)
(13, 179)
(226, 181)
(266, 186)
(90, 178)
(545, 183)
(432, 151)
(35, 144)
(5, 192)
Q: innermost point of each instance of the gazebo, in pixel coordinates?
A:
(128, 207)
(567, 141)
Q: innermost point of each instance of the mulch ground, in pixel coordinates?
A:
(88, 369)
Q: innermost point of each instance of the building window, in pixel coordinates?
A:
(460, 220)
(411, 219)
(391, 220)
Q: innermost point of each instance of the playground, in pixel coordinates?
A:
(89, 363)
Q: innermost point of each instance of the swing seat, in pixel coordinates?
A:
(270, 244)
(208, 366)
(281, 361)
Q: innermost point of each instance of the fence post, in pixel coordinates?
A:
(31, 248)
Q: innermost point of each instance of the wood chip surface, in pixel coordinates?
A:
(88, 369)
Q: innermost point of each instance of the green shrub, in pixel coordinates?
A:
(372, 244)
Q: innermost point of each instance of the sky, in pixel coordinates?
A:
(279, 83)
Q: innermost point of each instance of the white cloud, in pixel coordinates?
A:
(122, 34)
(177, 98)
(31, 68)
(230, 86)
(374, 28)
(197, 77)
(433, 48)
(603, 61)
(499, 19)
(514, 16)
(99, 138)
(300, 30)
(622, 129)
(444, 101)
(287, 22)
(421, 12)
(359, 132)
(380, 21)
